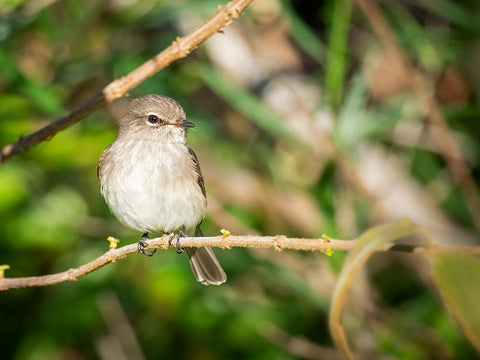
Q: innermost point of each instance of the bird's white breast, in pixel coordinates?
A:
(150, 186)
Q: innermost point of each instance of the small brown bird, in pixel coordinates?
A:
(151, 179)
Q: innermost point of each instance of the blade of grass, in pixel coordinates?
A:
(452, 11)
(244, 102)
(303, 34)
(350, 125)
(337, 50)
(414, 37)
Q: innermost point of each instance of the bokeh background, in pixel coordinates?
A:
(305, 126)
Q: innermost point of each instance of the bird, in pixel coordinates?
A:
(151, 179)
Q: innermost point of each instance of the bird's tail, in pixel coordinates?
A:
(205, 265)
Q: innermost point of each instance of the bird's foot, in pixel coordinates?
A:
(142, 245)
(177, 238)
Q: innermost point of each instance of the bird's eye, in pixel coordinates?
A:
(153, 119)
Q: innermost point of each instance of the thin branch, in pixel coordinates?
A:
(179, 48)
(278, 243)
(438, 127)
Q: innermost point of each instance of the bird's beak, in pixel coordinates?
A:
(187, 124)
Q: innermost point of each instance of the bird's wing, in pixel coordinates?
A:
(199, 172)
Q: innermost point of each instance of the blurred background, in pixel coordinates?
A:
(305, 126)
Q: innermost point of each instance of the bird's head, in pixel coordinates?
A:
(154, 117)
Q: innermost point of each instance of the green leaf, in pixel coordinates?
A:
(457, 277)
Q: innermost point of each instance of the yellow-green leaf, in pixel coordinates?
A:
(458, 279)
(364, 247)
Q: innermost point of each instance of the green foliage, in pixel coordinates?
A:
(282, 151)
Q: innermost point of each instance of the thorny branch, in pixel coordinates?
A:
(179, 48)
(280, 242)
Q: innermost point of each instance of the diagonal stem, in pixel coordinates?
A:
(179, 48)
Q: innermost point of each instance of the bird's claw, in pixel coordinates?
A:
(142, 246)
(177, 238)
